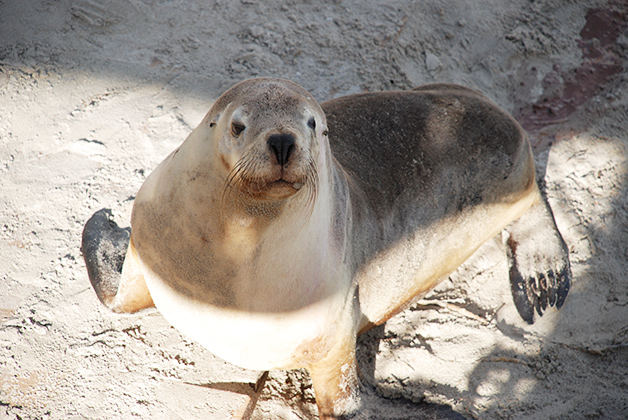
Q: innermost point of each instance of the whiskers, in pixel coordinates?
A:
(242, 177)
(311, 187)
(248, 180)
(243, 174)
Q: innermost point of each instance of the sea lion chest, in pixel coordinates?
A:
(259, 298)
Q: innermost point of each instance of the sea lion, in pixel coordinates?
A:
(281, 229)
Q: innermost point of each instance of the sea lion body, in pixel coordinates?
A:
(273, 244)
(434, 174)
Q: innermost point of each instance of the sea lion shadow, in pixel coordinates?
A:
(378, 405)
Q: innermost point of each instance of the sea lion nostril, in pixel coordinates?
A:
(281, 145)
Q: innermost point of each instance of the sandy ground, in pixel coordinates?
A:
(93, 94)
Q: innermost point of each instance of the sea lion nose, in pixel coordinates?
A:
(281, 145)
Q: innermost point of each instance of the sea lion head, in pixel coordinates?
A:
(268, 134)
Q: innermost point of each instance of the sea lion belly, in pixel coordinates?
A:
(251, 340)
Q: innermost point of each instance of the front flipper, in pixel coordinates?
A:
(116, 278)
(540, 273)
(336, 383)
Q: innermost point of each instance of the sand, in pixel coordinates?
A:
(94, 94)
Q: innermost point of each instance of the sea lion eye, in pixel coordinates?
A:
(312, 123)
(237, 128)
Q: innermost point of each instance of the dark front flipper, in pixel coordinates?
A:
(104, 247)
(540, 273)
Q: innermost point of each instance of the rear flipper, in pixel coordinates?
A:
(540, 273)
(116, 278)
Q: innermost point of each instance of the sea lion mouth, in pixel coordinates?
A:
(273, 190)
(282, 183)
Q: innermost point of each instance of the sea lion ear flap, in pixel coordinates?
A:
(322, 122)
(214, 121)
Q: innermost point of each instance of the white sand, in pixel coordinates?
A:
(93, 94)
